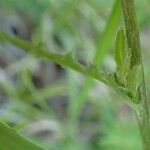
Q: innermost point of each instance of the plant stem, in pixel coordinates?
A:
(64, 60)
(133, 40)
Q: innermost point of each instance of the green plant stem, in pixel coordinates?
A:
(64, 60)
(133, 40)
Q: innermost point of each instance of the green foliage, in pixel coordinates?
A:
(120, 48)
(65, 60)
(102, 49)
(57, 26)
(11, 140)
(127, 76)
(122, 139)
(122, 58)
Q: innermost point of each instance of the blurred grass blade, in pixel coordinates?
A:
(102, 49)
(107, 36)
(11, 140)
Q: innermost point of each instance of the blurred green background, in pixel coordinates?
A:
(57, 107)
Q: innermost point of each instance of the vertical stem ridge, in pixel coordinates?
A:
(132, 31)
(133, 40)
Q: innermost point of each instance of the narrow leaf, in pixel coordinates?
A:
(120, 47)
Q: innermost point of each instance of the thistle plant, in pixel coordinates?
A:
(127, 80)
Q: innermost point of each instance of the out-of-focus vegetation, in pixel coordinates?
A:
(46, 102)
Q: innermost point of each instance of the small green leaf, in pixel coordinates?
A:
(127, 76)
(125, 66)
(120, 47)
(134, 83)
(122, 58)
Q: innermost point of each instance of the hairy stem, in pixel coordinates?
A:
(133, 40)
(66, 60)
